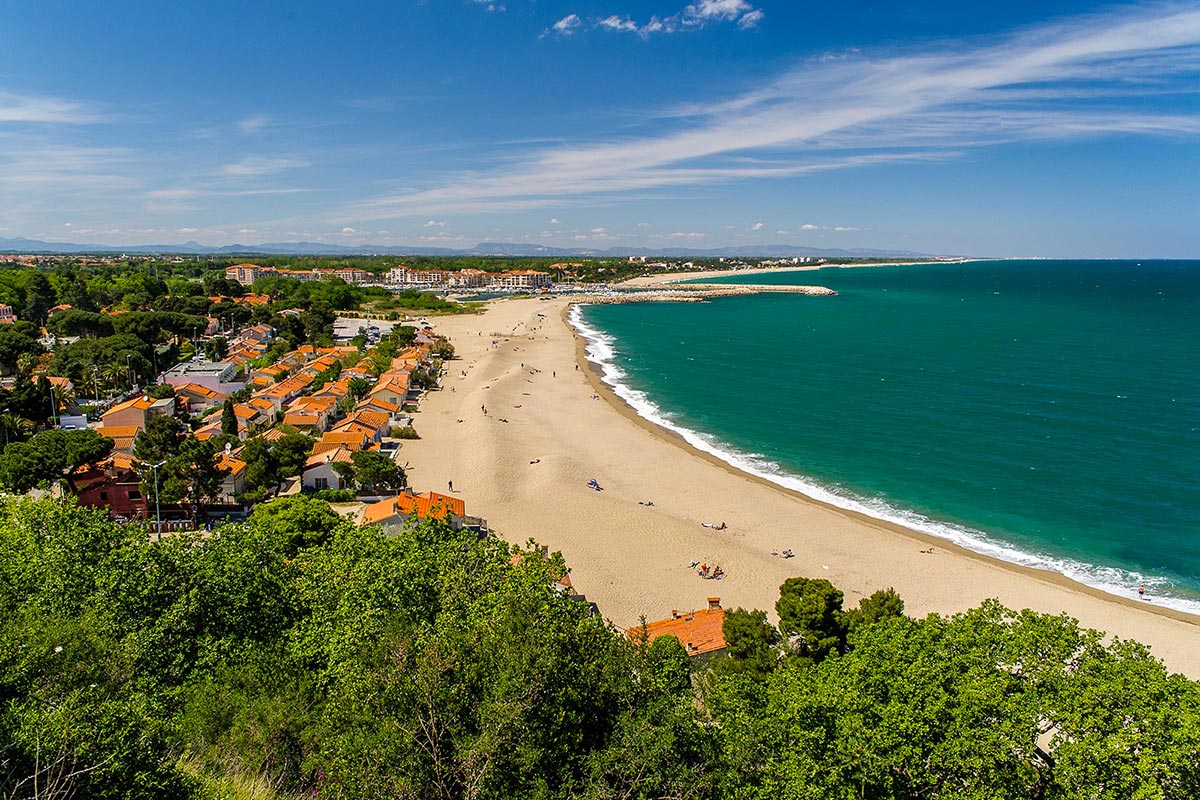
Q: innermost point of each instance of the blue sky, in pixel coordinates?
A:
(1050, 128)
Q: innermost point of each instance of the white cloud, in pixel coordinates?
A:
(488, 5)
(844, 228)
(567, 25)
(717, 9)
(348, 230)
(255, 123)
(758, 226)
(750, 20)
(260, 165)
(554, 221)
(615, 23)
(694, 16)
(38, 109)
(933, 104)
(687, 235)
(434, 223)
(810, 227)
(783, 232)
(599, 230)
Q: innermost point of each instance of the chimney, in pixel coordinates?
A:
(674, 613)
(714, 603)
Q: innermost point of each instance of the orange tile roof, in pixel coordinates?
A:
(430, 504)
(301, 419)
(119, 431)
(245, 411)
(698, 631)
(339, 455)
(378, 402)
(347, 439)
(200, 391)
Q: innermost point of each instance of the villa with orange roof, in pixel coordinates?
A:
(137, 411)
(700, 632)
(319, 472)
(200, 397)
(397, 510)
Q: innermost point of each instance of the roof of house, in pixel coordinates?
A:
(698, 631)
(141, 402)
(201, 391)
(118, 431)
(377, 402)
(235, 465)
(430, 504)
(372, 419)
(335, 456)
(345, 438)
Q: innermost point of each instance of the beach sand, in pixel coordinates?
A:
(545, 405)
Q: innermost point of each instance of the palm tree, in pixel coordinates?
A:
(15, 426)
(116, 374)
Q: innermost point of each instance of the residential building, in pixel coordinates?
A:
(319, 472)
(700, 632)
(136, 412)
(216, 376)
(200, 398)
(110, 484)
(526, 279)
(397, 510)
(7, 317)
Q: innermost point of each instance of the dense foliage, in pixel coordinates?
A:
(297, 654)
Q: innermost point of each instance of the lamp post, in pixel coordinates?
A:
(129, 367)
(157, 504)
(96, 382)
(53, 403)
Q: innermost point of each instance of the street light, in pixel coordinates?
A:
(129, 367)
(96, 381)
(157, 504)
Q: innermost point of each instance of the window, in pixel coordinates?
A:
(134, 494)
(322, 483)
(104, 497)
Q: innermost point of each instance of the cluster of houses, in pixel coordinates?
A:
(516, 279)
(307, 390)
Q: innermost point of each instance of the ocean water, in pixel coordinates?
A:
(1045, 412)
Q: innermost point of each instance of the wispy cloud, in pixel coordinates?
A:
(255, 123)
(261, 165)
(692, 17)
(1063, 80)
(488, 5)
(42, 109)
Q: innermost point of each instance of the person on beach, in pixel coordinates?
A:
(1142, 592)
(451, 485)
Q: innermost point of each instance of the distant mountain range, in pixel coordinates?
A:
(22, 245)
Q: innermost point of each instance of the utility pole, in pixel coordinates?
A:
(157, 504)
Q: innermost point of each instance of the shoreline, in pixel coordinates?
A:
(551, 425)
(621, 405)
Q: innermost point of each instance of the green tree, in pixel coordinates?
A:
(291, 452)
(229, 420)
(49, 456)
(373, 471)
(880, 605)
(810, 617)
(358, 387)
(216, 348)
(40, 297)
(751, 644)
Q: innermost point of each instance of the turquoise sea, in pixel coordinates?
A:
(1046, 412)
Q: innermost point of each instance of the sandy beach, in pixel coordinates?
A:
(550, 426)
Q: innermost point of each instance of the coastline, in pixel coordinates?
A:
(680, 277)
(632, 559)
